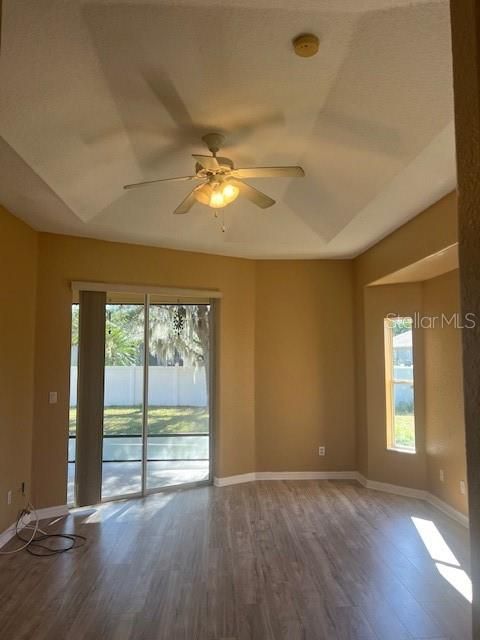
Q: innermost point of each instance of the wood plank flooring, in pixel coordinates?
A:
(304, 560)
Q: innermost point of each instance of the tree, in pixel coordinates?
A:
(401, 325)
(178, 334)
(181, 332)
(121, 348)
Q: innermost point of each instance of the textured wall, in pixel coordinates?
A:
(18, 265)
(384, 465)
(278, 398)
(444, 417)
(432, 230)
(65, 258)
(304, 365)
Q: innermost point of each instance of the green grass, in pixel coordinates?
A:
(405, 431)
(128, 420)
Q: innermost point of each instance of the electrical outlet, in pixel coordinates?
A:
(52, 397)
(321, 451)
(442, 476)
(9, 497)
(462, 487)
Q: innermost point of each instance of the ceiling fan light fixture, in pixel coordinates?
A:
(218, 195)
(203, 194)
(217, 199)
(230, 192)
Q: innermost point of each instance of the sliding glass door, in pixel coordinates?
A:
(154, 428)
(178, 416)
(123, 396)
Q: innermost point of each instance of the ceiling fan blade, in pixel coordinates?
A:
(189, 201)
(254, 195)
(165, 90)
(269, 172)
(136, 185)
(207, 162)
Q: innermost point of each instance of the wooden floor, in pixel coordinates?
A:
(266, 561)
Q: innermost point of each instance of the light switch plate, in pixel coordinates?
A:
(52, 397)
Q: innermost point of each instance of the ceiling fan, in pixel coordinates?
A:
(221, 183)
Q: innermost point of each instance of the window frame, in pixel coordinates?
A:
(391, 381)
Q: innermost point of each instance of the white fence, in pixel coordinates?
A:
(168, 386)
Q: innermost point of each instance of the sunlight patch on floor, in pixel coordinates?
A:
(144, 510)
(458, 578)
(445, 560)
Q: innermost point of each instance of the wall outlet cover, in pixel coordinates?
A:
(321, 451)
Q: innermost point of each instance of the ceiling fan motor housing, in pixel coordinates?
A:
(214, 142)
(226, 165)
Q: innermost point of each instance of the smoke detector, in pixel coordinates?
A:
(306, 45)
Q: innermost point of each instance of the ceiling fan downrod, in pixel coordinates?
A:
(214, 142)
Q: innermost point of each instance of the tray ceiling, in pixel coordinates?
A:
(99, 94)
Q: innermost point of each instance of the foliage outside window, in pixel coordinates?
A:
(399, 383)
(178, 334)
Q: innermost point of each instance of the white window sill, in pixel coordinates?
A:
(400, 450)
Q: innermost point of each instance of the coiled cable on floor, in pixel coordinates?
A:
(25, 523)
(37, 544)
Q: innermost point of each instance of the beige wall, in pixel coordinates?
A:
(426, 234)
(263, 401)
(431, 231)
(18, 265)
(384, 465)
(444, 417)
(438, 403)
(63, 259)
(276, 405)
(304, 365)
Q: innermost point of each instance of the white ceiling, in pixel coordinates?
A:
(96, 94)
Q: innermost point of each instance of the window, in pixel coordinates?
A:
(399, 383)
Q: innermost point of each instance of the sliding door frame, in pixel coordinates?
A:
(189, 296)
(146, 353)
(212, 387)
(212, 392)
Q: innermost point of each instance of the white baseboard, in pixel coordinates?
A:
(52, 512)
(447, 509)
(285, 475)
(306, 475)
(418, 494)
(240, 479)
(43, 514)
(7, 535)
(398, 490)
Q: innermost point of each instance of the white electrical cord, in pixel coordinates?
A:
(25, 525)
(37, 544)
